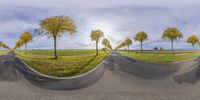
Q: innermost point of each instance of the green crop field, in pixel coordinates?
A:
(3, 52)
(69, 62)
(162, 56)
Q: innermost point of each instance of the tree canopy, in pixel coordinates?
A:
(121, 45)
(193, 40)
(96, 35)
(128, 41)
(56, 26)
(106, 43)
(141, 36)
(172, 33)
(26, 37)
(18, 44)
(2, 44)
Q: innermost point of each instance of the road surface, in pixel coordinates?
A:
(122, 78)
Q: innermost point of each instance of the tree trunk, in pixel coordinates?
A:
(128, 48)
(97, 47)
(193, 47)
(172, 47)
(105, 48)
(55, 46)
(25, 47)
(141, 48)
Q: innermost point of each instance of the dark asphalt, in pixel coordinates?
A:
(117, 78)
(10, 67)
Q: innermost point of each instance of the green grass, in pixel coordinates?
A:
(69, 62)
(3, 52)
(162, 56)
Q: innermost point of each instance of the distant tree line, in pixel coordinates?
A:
(171, 33)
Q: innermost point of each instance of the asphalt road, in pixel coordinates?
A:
(123, 78)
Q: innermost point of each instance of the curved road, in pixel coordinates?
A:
(123, 78)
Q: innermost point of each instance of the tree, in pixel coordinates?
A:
(25, 38)
(161, 48)
(141, 37)
(120, 46)
(96, 35)
(128, 42)
(2, 44)
(155, 48)
(55, 27)
(193, 40)
(110, 46)
(172, 33)
(123, 45)
(18, 44)
(105, 42)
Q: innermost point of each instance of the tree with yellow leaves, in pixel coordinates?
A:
(26, 37)
(55, 27)
(141, 37)
(2, 44)
(18, 44)
(193, 40)
(106, 44)
(128, 42)
(172, 33)
(96, 35)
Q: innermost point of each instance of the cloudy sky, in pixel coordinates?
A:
(118, 19)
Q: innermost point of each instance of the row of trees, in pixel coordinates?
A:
(106, 44)
(58, 25)
(96, 36)
(55, 27)
(24, 39)
(141, 37)
(2, 44)
(171, 33)
(127, 42)
(52, 27)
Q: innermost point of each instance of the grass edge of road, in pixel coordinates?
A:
(160, 58)
(3, 52)
(72, 65)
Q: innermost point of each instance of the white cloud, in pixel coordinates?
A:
(118, 19)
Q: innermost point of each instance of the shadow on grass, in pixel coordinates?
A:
(89, 61)
(53, 58)
(80, 70)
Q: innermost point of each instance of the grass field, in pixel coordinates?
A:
(3, 52)
(162, 56)
(69, 63)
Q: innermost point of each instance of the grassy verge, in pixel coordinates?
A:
(69, 63)
(162, 56)
(3, 52)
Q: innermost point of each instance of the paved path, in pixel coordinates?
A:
(123, 79)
